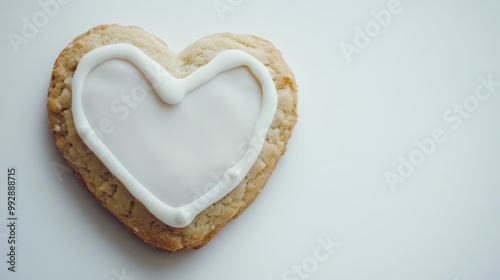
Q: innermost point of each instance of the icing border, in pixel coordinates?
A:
(172, 91)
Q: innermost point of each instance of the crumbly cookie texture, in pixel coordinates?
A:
(109, 191)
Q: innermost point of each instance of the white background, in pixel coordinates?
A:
(355, 120)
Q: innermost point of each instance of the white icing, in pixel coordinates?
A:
(178, 145)
(164, 139)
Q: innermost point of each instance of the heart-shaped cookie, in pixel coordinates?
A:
(166, 212)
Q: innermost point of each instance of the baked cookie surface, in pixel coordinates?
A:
(109, 191)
